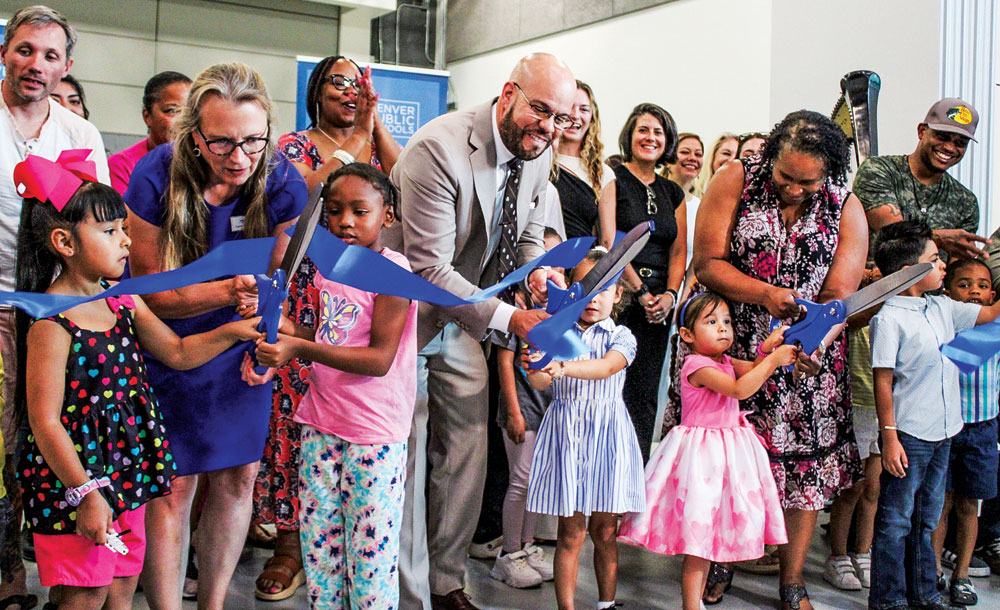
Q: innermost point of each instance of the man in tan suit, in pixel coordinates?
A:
(455, 176)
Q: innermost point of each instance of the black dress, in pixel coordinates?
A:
(642, 378)
(579, 204)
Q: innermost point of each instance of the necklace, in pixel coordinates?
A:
(925, 205)
(328, 136)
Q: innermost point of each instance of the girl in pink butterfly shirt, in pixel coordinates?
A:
(357, 412)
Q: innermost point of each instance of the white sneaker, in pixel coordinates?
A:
(538, 561)
(486, 550)
(862, 567)
(513, 570)
(839, 572)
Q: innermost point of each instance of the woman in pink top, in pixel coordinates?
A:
(356, 413)
(162, 100)
(710, 495)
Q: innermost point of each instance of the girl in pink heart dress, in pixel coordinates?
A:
(710, 495)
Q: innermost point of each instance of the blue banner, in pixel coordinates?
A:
(408, 97)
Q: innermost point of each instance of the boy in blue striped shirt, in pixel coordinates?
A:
(972, 467)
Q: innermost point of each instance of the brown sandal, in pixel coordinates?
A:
(284, 570)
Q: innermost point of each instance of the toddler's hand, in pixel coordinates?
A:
(785, 354)
(94, 518)
(776, 338)
(528, 356)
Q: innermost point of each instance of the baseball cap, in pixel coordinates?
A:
(954, 116)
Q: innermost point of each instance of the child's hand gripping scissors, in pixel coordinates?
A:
(604, 273)
(273, 291)
(809, 332)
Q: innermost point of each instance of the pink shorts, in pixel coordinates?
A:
(71, 559)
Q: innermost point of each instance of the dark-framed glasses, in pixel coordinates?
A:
(224, 147)
(343, 83)
(542, 112)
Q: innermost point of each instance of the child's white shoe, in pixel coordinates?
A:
(863, 568)
(839, 572)
(513, 570)
(538, 561)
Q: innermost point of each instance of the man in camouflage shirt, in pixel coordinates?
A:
(917, 186)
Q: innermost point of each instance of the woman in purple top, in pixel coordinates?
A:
(220, 180)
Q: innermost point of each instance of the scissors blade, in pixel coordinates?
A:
(302, 235)
(890, 285)
(620, 255)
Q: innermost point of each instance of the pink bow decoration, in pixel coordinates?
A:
(54, 181)
(121, 300)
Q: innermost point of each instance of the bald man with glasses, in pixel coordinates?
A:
(472, 206)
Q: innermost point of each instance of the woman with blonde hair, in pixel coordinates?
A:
(219, 181)
(723, 150)
(579, 173)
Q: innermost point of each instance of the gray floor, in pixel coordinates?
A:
(645, 581)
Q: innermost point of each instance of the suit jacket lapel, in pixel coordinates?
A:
(483, 162)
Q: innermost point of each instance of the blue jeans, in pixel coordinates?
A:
(908, 511)
(989, 520)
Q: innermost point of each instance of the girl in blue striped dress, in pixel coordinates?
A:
(587, 461)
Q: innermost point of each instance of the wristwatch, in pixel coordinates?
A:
(74, 495)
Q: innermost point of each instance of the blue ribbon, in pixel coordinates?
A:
(971, 348)
(354, 266)
(244, 256)
(368, 270)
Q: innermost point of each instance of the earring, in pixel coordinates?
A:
(197, 151)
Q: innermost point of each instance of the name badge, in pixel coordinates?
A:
(236, 223)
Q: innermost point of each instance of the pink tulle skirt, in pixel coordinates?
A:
(709, 493)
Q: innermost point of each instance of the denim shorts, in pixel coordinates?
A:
(972, 468)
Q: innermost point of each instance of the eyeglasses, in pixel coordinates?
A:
(343, 83)
(541, 112)
(651, 207)
(224, 147)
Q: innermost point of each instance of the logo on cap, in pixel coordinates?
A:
(960, 114)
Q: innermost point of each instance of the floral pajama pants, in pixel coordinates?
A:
(350, 516)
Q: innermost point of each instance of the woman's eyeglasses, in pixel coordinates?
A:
(343, 83)
(224, 147)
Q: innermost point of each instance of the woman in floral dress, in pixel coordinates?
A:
(774, 227)
(341, 106)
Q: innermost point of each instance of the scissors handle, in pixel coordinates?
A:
(271, 295)
(558, 299)
(809, 332)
